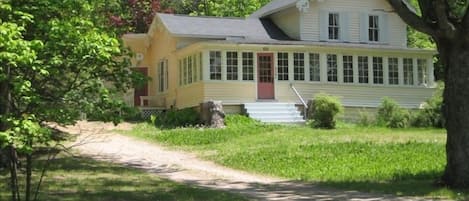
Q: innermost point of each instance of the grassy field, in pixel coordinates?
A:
(76, 179)
(395, 161)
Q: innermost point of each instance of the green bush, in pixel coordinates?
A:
(177, 118)
(431, 115)
(324, 110)
(366, 119)
(391, 115)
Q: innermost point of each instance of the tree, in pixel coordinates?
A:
(56, 62)
(222, 8)
(447, 23)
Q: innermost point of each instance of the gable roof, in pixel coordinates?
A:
(220, 28)
(273, 7)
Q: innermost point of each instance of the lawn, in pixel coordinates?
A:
(76, 179)
(395, 161)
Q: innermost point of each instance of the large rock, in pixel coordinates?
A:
(212, 114)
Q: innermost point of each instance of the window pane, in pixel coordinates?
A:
(373, 29)
(282, 64)
(422, 71)
(314, 67)
(184, 70)
(248, 66)
(378, 70)
(215, 65)
(348, 69)
(333, 26)
(332, 68)
(299, 66)
(393, 71)
(363, 69)
(231, 65)
(189, 70)
(408, 71)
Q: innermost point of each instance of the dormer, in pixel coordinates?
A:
(370, 22)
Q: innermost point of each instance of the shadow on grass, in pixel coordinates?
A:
(73, 179)
(404, 184)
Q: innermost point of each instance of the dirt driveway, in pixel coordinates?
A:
(102, 143)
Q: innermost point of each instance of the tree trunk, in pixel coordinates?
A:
(29, 171)
(13, 161)
(455, 55)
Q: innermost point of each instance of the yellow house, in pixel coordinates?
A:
(282, 54)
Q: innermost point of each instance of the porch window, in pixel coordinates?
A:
(163, 75)
(393, 71)
(363, 69)
(180, 73)
(373, 28)
(248, 66)
(408, 71)
(184, 70)
(332, 68)
(378, 74)
(299, 66)
(215, 65)
(196, 68)
(189, 70)
(348, 69)
(314, 67)
(232, 65)
(334, 26)
(422, 71)
(282, 65)
(201, 67)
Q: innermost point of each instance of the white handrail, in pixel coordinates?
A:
(301, 99)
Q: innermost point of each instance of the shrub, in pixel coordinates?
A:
(391, 115)
(431, 115)
(366, 119)
(177, 118)
(324, 110)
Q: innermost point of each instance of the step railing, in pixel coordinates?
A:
(305, 106)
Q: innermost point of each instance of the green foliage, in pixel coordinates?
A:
(324, 110)
(366, 119)
(177, 118)
(230, 8)
(391, 115)
(431, 113)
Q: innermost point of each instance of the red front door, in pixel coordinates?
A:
(265, 73)
(141, 90)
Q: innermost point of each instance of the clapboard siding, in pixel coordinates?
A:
(289, 21)
(356, 95)
(310, 29)
(190, 96)
(231, 92)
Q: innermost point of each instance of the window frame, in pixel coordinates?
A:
(282, 66)
(314, 67)
(378, 70)
(332, 68)
(333, 26)
(374, 28)
(247, 66)
(215, 65)
(299, 66)
(408, 69)
(363, 73)
(232, 65)
(348, 69)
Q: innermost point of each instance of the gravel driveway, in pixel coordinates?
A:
(102, 143)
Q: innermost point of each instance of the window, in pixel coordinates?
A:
(201, 67)
(215, 65)
(348, 69)
(163, 75)
(196, 68)
(248, 66)
(299, 66)
(373, 28)
(408, 71)
(282, 65)
(231, 65)
(422, 71)
(378, 70)
(333, 26)
(180, 73)
(189, 70)
(314, 67)
(362, 69)
(393, 71)
(184, 71)
(332, 68)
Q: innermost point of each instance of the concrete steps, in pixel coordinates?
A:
(273, 112)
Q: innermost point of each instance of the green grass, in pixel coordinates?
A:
(396, 161)
(76, 179)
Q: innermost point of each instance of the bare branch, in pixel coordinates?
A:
(411, 18)
(445, 25)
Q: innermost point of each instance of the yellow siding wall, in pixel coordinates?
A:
(188, 96)
(231, 92)
(289, 21)
(397, 29)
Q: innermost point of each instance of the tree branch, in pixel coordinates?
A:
(465, 20)
(411, 18)
(441, 10)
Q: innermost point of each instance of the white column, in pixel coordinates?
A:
(355, 69)
(401, 70)
(431, 73)
(240, 66)
(254, 55)
(323, 67)
(340, 68)
(307, 74)
(386, 70)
